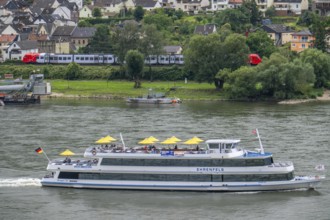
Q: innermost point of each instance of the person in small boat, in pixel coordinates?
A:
(197, 148)
(176, 147)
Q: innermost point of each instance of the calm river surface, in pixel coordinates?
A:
(299, 133)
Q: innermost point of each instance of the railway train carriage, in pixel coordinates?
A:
(52, 58)
(96, 59)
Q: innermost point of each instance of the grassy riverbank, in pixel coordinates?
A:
(124, 89)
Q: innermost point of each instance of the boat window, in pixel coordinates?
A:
(178, 177)
(68, 175)
(255, 162)
(233, 163)
(134, 162)
(214, 146)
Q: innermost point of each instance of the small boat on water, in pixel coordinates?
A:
(154, 98)
(220, 166)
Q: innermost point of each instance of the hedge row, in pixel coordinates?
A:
(163, 73)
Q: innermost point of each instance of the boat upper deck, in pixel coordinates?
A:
(153, 151)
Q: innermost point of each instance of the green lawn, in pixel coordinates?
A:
(123, 89)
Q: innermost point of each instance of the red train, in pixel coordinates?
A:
(42, 58)
(254, 59)
(30, 58)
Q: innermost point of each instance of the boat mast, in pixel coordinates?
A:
(122, 140)
(261, 147)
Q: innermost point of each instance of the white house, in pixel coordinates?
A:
(18, 49)
(8, 30)
(113, 6)
(63, 12)
(86, 12)
(217, 5)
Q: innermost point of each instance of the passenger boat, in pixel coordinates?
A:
(220, 166)
(154, 98)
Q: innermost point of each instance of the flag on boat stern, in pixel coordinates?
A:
(39, 150)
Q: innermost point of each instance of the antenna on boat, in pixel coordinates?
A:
(122, 140)
(258, 136)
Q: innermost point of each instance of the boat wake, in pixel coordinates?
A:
(19, 182)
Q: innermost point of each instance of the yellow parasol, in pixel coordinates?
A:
(169, 141)
(67, 152)
(197, 139)
(147, 141)
(174, 138)
(153, 138)
(194, 140)
(191, 141)
(105, 140)
(110, 138)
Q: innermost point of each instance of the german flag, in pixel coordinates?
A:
(39, 150)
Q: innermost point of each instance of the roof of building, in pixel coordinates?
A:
(276, 28)
(205, 29)
(145, 3)
(303, 33)
(172, 49)
(106, 3)
(26, 45)
(3, 2)
(64, 31)
(48, 27)
(83, 32)
(39, 6)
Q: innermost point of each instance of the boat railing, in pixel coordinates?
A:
(74, 162)
(143, 150)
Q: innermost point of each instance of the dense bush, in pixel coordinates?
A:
(168, 73)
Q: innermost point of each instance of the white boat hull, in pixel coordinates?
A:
(297, 183)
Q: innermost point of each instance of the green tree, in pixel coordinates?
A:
(235, 52)
(125, 38)
(161, 20)
(321, 64)
(225, 31)
(151, 43)
(260, 43)
(270, 12)
(241, 83)
(250, 9)
(84, 23)
(138, 13)
(100, 42)
(203, 57)
(97, 12)
(319, 30)
(73, 71)
(236, 18)
(134, 64)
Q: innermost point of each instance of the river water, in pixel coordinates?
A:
(298, 133)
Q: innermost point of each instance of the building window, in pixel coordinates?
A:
(304, 38)
(303, 46)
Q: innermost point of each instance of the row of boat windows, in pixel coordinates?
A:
(177, 177)
(188, 162)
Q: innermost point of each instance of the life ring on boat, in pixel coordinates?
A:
(94, 152)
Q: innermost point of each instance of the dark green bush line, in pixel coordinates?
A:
(106, 72)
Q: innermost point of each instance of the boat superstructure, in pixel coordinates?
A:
(220, 166)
